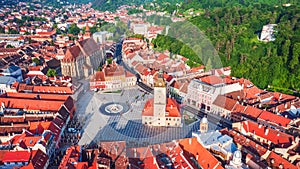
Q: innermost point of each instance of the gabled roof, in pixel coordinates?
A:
(192, 148)
(16, 156)
(252, 112)
(172, 108)
(270, 134)
(98, 76)
(39, 127)
(224, 102)
(63, 113)
(276, 160)
(274, 118)
(30, 104)
(39, 160)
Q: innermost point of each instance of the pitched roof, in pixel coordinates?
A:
(212, 80)
(193, 148)
(252, 112)
(52, 89)
(270, 134)
(224, 102)
(274, 118)
(30, 104)
(39, 127)
(37, 96)
(16, 156)
(71, 54)
(39, 160)
(98, 76)
(276, 160)
(172, 108)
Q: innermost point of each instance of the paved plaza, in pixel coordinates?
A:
(99, 126)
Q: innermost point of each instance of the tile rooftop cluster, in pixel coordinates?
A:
(184, 153)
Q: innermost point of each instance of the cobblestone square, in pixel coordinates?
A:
(126, 126)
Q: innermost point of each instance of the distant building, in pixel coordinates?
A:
(204, 91)
(141, 29)
(101, 37)
(112, 76)
(236, 162)
(267, 33)
(161, 111)
(203, 125)
(221, 145)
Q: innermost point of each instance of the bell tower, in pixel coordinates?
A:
(87, 33)
(204, 125)
(160, 100)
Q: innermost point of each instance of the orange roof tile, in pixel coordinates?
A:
(193, 148)
(270, 134)
(274, 118)
(224, 102)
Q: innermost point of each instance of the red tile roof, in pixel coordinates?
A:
(252, 112)
(16, 156)
(39, 160)
(39, 127)
(172, 108)
(270, 134)
(193, 148)
(246, 143)
(212, 80)
(37, 96)
(274, 118)
(52, 89)
(224, 102)
(161, 57)
(276, 160)
(29, 104)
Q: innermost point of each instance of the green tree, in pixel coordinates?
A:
(51, 73)
(295, 56)
(36, 61)
(208, 65)
(73, 29)
(9, 46)
(109, 60)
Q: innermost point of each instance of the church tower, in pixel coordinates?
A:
(87, 33)
(160, 100)
(204, 125)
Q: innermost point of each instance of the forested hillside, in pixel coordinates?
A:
(234, 33)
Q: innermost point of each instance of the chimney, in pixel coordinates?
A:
(134, 153)
(190, 141)
(197, 156)
(266, 131)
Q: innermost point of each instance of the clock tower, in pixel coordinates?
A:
(160, 100)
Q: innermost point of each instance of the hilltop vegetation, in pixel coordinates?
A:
(234, 32)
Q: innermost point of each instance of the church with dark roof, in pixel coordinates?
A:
(82, 59)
